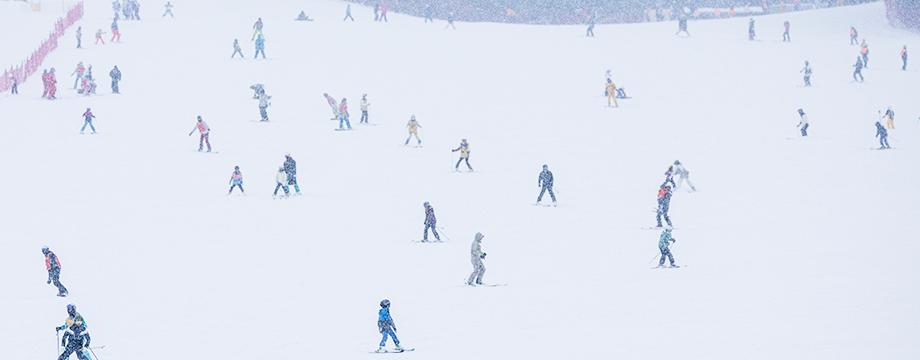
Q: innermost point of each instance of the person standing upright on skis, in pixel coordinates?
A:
(281, 183)
(290, 168)
(88, 120)
(664, 244)
(386, 326)
(664, 202)
(237, 49)
(348, 13)
(413, 130)
(786, 36)
(858, 71)
(169, 7)
(684, 175)
(115, 74)
(257, 29)
(115, 32)
(430, 222)
(343, 114)
(464, 154)
(79, 72)
(205, 131)
(611, 90)
(75, 339)
(890, 116)
(364, 105)
(807, 71)
(882, 134)
(476, 257)
(803, 123)
(751, 30)
(545, 182)
(260, 47)
(864, 51)
(236, 179)
(853, 35)
(904, 57)
(53, 265)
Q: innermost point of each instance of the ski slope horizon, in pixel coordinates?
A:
(796, 248)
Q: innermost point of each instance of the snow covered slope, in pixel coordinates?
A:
(796, 249)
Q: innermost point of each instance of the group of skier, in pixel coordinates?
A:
(76, 339)
(131, 9)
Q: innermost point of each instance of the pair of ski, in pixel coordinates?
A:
(656, 228)
(667, 267)
(394, 351)
(427, 242)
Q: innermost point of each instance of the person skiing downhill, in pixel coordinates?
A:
(281, 182)
(73, 318)
(464, 150)
(427, 14)
(115, 32)
(476, 257)
(803, 124)
(664, 202)
(430, 222)
(334, 105)
(79, 72)
(383, 11)
(664, 244)
(348, 13)
(882, 134)
(682, 24)
(99, 34)
(889, 114)
(52, 88)
(786, 36)
(115, 74)
(14, 90)
(263, 105)
(610, 90)
(169, 7)
(290, 168)
(257, 29)
(343, 114)
(413, 130)
(853, 35)
(864, 51)
(684, 175)
(88, 120)
(591, 23)
(205, 131)
(364, 105)
(260, 47)
(386, 326)
(904, 57)
(751, 30)
(53, 265)
(807, 71)
(75, 339)
(858, 71)
(258, 89)
(79, 36)
(236, 49)
(450, 21)
(545, 182)
(236, 179)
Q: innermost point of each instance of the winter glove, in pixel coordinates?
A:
(483, 256)
(49, 280)
(673, 240)
(453, 151)
(59, 328)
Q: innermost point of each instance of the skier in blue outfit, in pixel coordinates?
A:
(386, 326)
(430, 222)
(88, 120)
(664, 242)
(260, 47)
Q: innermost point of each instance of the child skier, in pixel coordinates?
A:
(427, 13)
(386, 326)
(684, 175)
(904, 57)
(260, 47)
(115, 74)
(464, 154)
(45, 83)
(263, 105)
(682, 24)
(290, 168)
(73, 318)
(236, 49)
(864, 50)
(664, 202)
(14, 87)
(413, 130)
(450, 21)
(545, 181)
(236, 179)
(882, 134)
(53, 265)
(430, 222)
(205, 131)
(611, 90)
(88, 120)
(75, 339)
(476, 257)
(281, 182)
(343, 114)
(99, 34)
(169, 7)
(807, 71)
(334, 105)
(383, 12)
(858, 71)
(115, 31)
(348, 13)
(79, 72)
(364, 105)
(786, 36)
(664, 243)
(890, 116)
(52, 88)
(803, 124)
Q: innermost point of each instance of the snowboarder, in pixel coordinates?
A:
(343, 114)
(75, 339)
(281, 180)
(427, 14)
(684, 175)
(364, 105)
(88, 120)
(99, 34)
(236, 179)
(803, 124)
(53, 265)
(73, 318)
(334, 105)
(430, 222)
(450, 21)
(858, 71)
(169, 7)
(348, 13)
(116, 7)
(464, 154)
(115, 74)
(751, 30)
(115, 32)
(14, 87)
(682, 24)
(383, 11)
(205, 131)
(664, 243)
(669, 176)
(664, 202)
(413, 130)
(786, 36)
(590, 31)
(889, 114)
(853, 35)
(79, 36)
(263, 104)
(882, 134)
(52, 88)
(611, 90)
(79, 72)
(290, 168)
(864, 50)
(386, 326)
(260, 47)
(807, 71)
(904, 57)
(258, 29)
(545, 181)
(476, 256)
(236, 49)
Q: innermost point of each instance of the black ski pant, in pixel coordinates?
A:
(54, 276)
(805, 130)
(471, 168)
(786, 36)
(808, 80)
(883, 141)
(665, 252)
(544, 189)
(78, 43)
(71, 349)
(858, 72)
(363, 116)
(865, 60)
(348, 16)
(282, 186)
(235, 185)
(853, 40)
(115, 87)
(905, 64)
(263, 112)
(14, 90)
(663, 210)
(590, 31)
(434, 231)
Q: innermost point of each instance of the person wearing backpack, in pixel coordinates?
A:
(53, 265)
(75, 339)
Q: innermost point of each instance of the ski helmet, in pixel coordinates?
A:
(45, 250)
(426, 204)
(287, 154)
(384, 303)
(71, 308)
(545, 167)
(413, 117)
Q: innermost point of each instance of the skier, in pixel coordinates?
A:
(236, 49)
(664, 242)
(376, 9)
(427, 14)
(430, 222)
(79, 72)
(786, 36)
(890, 116)
(682, 24)
(464, 154)
(115, 31)
(386, 326)
(14, 87)
(88, 120)
(236, 179)
(413, 130)
(611, 90)
(115, 74)
(205, 131)
(263, 104)
(664, 202)
(904, 57)
(52, 88)
(545, 181)
(751, 30)
(259, 89)
(590, 31)
(684, 175)
(803, 123)
(882, 134)
(260, 47)
(364, 105)
(75, 339)
(807, 71)
(79, 36)
(343, 114)
(281, 182)
(383, 11)
(853, 36)
(334, 105)
(858, 66)
(126, 10)
(258, 29)
(73, 318)
(53, 265)
(99, 34)
(116, 7)
(169, 7)
(476, 256)
(348, 13)
(290, 168)
(864, 50)
(669, 176)
(89, 84)
(450, 21)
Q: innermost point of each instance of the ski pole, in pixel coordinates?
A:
(57, 336)
(445, 235)
(98, 347)
(94, 353)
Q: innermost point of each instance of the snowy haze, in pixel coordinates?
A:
(795, 249)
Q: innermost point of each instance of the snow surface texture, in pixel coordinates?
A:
(797, 249)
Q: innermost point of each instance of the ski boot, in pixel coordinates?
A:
(399, 348)
(381, 350)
